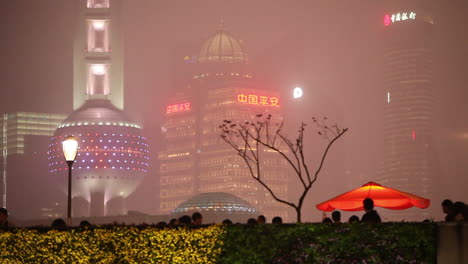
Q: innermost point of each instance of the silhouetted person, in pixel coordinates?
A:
(251, 221)
(85, 224)
(173, 222)
(58, 224)
(185, 220)
(447, 208)
(261, 219)
(353, 219)
(327, 220)
(227, 222)
(277, 220)
(4, 218)
(161, 224)
(459, 212)
(197, 218)
(336, 216)
(371, 216)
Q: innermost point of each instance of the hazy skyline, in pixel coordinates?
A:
(330, 48)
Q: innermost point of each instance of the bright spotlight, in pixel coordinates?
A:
(297, 92)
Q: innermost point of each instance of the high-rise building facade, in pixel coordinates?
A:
(409, 105)
(113, 156)
(196, 159)
(23, 163)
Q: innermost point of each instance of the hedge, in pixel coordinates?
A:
(298, 243)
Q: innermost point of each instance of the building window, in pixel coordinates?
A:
(98, 79)
(98, 4)
(98, 35)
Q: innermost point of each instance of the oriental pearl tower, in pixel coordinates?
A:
(113, 157)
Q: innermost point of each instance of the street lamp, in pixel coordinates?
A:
(70, 149)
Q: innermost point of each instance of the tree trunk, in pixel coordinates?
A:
(298, 213)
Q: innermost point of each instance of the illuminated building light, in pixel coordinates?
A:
(397, 17)
(258, 100)
(99, 24)
(183, 107)
(98, 69)
(388, 97)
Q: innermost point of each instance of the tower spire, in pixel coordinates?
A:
(221, 24)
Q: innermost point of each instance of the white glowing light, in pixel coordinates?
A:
(70, 148)
(98, 69)
(297, 92)
(388, 97)
(98, 25)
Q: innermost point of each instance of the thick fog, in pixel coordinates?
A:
(332, 49)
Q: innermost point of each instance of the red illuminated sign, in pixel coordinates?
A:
(178, 108)
(258, 100)
(387, 20)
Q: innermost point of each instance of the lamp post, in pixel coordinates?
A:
(70, 149)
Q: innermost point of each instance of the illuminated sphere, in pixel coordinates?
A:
(222, 47)
(112, 156)
(217, 206)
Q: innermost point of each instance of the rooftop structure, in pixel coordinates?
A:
(216, 207)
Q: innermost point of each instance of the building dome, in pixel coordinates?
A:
(112, 157)
(217, 206)
(222, 47)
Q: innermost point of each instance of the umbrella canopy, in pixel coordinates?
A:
(383, 197)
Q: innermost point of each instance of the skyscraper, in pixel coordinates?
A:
(23, 163)
(112, 157)
(196, 159)
(408, 116)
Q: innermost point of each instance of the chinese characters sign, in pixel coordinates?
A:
(178, 108)
(394, 18)
(258, 100)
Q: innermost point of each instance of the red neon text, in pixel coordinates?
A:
(258, 100)
(177, 108)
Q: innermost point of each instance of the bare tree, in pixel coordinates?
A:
(250, 138)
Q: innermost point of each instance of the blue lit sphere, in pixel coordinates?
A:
(112, 157)
(217, 206)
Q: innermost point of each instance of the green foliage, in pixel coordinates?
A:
(298, 243)
(115, 245)
(330, 243)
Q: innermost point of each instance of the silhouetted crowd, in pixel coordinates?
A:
(454, 211)
(370, 215)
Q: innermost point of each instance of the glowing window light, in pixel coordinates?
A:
(98, 69)
(99, 24)
(388, 97)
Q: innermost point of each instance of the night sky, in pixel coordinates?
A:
(333, 49)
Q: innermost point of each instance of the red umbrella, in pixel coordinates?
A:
(383, 196)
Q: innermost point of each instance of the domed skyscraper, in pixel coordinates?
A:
(113, 157)
(219, 86)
